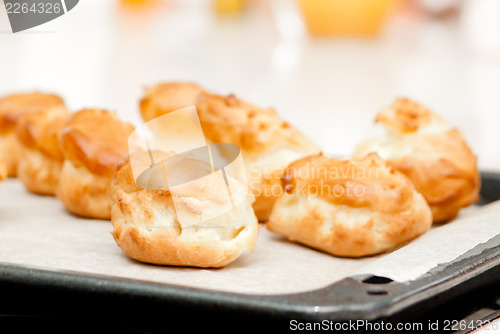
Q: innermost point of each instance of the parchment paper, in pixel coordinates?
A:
(36, 231)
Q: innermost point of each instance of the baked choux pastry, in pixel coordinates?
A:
(3, 167)
(41, 156)
(166, 97)
(147, 223)
(93, 142)
(12, 107)
(434, 155)
(268, 143)
(348, 208)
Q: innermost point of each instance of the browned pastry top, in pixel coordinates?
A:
(12, 107)
(434, 155)
(353, 208)
(40, 131)
(406, 116)
(227, 119)
(95, 139)
(360, 183)
(166, 97)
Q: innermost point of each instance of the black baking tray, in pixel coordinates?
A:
(29, 291)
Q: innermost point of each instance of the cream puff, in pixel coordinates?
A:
(267, 142)
(41, 159)
(348, 208)
(12, 107)
(93, 142)
(163, 98)
(433, 154)
(195, 223)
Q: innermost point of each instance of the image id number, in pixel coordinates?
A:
(39, 8)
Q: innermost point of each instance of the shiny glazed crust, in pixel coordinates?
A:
(40, 131)
(95, 139)
(93, 142)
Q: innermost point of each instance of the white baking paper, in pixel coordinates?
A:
(36, 231)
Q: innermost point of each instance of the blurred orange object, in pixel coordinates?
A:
(136, 2)
(141, 6)
(344, 17)
(229, 6)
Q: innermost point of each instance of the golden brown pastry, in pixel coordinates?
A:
(146, 223)
(93, 141)
(431, 153)
(41, 156)
(12, 107)
(3, 167)
(268, 143)
(349, 208)
(166, 97)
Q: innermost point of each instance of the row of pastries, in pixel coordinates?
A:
(391, 191)
(71, 155)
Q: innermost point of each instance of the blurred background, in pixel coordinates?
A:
(327, 66)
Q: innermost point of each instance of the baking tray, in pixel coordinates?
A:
(364, 297)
